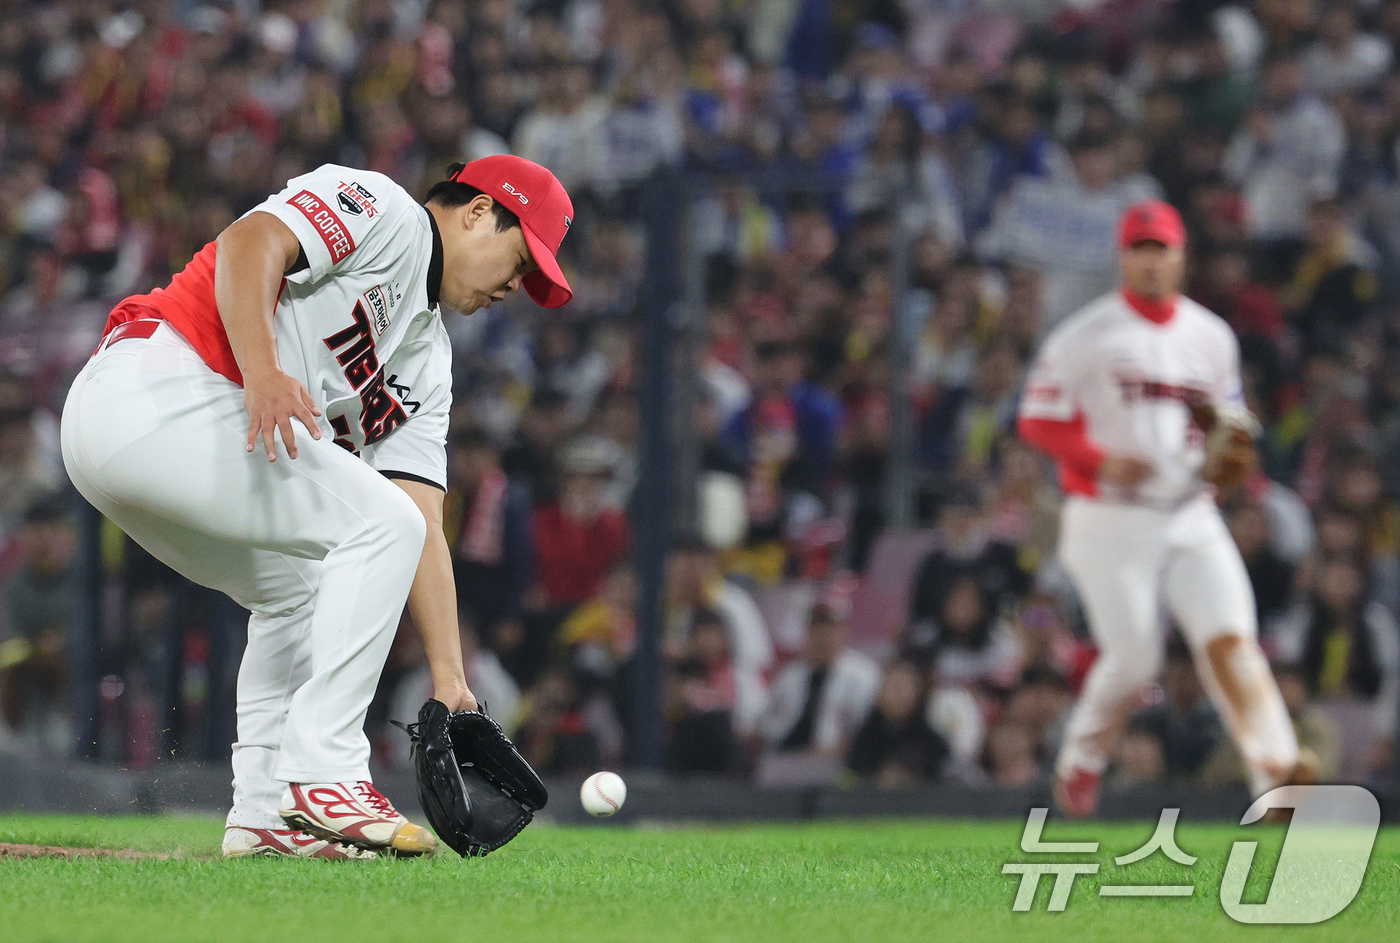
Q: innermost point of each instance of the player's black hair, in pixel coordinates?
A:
(450, 193)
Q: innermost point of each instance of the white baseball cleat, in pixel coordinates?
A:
(355, 814)
(242, 841)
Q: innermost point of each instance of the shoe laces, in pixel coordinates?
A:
(375, 799)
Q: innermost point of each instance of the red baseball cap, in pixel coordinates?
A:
(535, 195)
(1151, 221)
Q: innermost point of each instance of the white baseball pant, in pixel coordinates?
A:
(1128, 562)
(321, 550)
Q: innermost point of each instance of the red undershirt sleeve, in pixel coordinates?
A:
(1066, 442)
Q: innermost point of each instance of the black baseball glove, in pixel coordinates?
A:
(476, 789)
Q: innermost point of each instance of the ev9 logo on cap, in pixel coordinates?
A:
(524, 200)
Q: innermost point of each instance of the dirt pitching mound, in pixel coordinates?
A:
(11, 850)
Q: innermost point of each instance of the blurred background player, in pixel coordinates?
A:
(1108, 398)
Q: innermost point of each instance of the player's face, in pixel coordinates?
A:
(1152, 269)
(481, 265)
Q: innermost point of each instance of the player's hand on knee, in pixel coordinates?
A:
(1124, 471)
(272, 400)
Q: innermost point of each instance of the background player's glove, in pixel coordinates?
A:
(476, 789)
(1230, 433)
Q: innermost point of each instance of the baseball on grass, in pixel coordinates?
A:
(603, 794)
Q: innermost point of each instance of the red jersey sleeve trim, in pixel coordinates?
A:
(1068, 443)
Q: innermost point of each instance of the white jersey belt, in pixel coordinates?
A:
(1165, 507)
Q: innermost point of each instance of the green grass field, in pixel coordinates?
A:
(869, 882)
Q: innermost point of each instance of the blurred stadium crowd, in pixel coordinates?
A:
(992, 143)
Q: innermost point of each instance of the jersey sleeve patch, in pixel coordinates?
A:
(1047, 392)
(326, 223)
(356, 200)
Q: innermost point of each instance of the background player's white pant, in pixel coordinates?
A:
(1128, 562)
(322, 550)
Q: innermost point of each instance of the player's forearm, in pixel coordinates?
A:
(1066, 442)
(432, 601)
(433, 604)
(253, 255)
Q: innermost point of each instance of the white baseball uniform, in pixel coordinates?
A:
(1124, 381)
(321, 549)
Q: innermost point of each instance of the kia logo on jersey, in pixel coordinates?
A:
(524, 200)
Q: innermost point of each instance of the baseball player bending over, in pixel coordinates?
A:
(1116, 397)
(319, 307)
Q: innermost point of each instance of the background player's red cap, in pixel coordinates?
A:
(535, 195)
(1151, 221)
